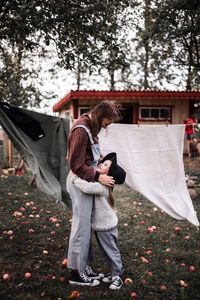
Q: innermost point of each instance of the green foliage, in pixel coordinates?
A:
(178, 26)
(133, 44)
(15, 84)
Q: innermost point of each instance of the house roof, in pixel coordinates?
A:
(120, 95)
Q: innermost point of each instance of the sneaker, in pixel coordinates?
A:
(116, 283)
(107, 278)
(82, 279)
(91, 274)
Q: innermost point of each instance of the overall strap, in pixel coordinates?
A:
(88, 132)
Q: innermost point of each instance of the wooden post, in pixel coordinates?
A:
(10, 153)
(5, 149)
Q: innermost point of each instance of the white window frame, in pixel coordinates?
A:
(159, 108)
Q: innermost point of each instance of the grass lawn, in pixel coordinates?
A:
(34, 234)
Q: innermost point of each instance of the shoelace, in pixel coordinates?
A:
(89, 270)
(85, 277)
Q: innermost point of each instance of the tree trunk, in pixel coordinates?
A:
(189, 77)
(146, 42)
(112, 80)
(146, 70)
(78, 76)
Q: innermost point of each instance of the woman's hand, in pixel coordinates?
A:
(106, 180)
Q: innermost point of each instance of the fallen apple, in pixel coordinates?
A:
(22, 209)
(6, 276)
(142, 222)
(133, 294)
(177, 229)
(143, 281)
(182, 264)
(74, 294)
(64, 262)
(27, 275)
(187, 237)
(62, 279)
(168, 250)
(163, 288)
(128, 281)
(10, 232)
(144, 260)
(150, 230)
(191, 268)
(183, 283)
(53, 220)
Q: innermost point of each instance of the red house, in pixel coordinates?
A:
(147, 107)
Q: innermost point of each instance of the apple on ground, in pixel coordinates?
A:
(27, 275)
(191, 268)
(128, 281)
(6, 276)
(64, 262)
(74, 294)
(133, 294)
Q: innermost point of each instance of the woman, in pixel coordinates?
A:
(83, 157)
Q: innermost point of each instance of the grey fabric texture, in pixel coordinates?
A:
(41, 140)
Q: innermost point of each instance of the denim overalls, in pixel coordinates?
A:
(80, 248)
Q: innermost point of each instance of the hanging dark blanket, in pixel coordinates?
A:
(42, 142)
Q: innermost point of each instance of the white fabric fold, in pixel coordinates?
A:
(152, 156)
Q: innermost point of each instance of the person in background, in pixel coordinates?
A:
(190, 124)
(104, 219)
(83, 157)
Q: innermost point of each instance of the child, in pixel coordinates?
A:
(104, 219)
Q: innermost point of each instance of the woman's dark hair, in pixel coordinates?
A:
(105, 109)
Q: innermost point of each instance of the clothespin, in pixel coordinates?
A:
(138, 123)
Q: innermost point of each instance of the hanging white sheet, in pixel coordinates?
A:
(152, 156)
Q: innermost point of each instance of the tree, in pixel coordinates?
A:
(12, 75)
(178, 25)
(97, 44)
(79, 29)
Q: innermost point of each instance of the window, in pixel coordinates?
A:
(82, 110)
(155, 113)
